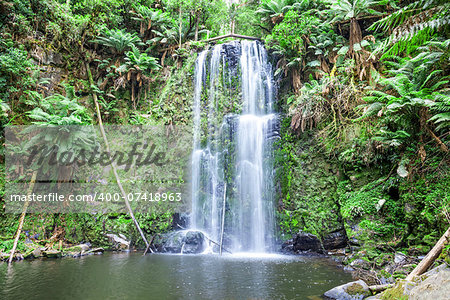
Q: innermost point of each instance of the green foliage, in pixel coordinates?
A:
(373, 210)
(15, 74)
(297, 30)
(349, 9)
(58, 109)
(308, 186)
(140, 62)
(6, 246)
(428, 206)
(412, 25)
(118, 39)
(415, 85)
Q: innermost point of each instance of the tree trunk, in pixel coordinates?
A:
(181, 24)
(22, 217)
(196, 27)
(355, 35)
(113, 165)
(431, 256)
(223, 220)
(132, 93)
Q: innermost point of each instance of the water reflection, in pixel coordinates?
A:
(132, 276)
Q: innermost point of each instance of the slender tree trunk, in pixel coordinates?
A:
(196, 27)
(132, 93)
(22, 217)
(181, 24)
(223, 219)
(113, 165)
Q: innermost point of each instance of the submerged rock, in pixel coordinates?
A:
(349, 291)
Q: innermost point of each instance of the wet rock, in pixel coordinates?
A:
(52, 253)
(349, 291)
(184, 241)
(335, 240)
(194, 242)
(288, 247)
(303, 241)
(179, 221)
(348, 269)
(118, 242)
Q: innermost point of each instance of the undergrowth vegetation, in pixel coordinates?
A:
(364, 86)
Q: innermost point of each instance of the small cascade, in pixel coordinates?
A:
(232, 162)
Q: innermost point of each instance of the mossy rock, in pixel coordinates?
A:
(357, 289)
(395, 292)
(352, 290)
(52, 254)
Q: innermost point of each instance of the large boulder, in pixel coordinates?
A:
(350, 291)
(335, 240)
(301, 242)
(436, 286)
(433, 284)
(194, 242)
(184, 242)
(304, 241)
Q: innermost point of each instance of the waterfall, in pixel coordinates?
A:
(234, 129)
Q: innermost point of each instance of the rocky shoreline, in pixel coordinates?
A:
(377, 275)
(44, 249)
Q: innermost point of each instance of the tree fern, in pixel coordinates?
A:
(413, 25)
(118, 39)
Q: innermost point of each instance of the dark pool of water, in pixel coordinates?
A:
(158, 276)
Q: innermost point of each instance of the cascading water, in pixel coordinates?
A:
(232, 161)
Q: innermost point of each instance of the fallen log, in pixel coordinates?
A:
(380, 287)
(231, 35)
(430, 257)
